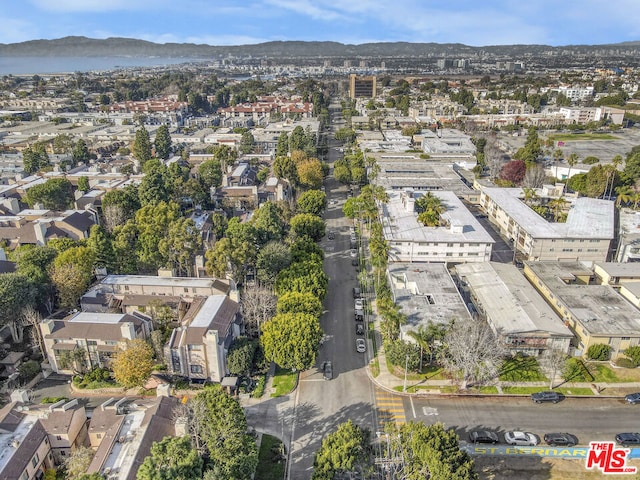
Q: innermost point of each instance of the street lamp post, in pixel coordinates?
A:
(406, 365)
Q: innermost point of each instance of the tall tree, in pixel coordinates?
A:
(218, 424)
(171, 458)
(309, 173)
(35, 158)
(258, 306)
(152, 222)
(16, 293)
(162, 142)
(312, 201)
(210, 173)
(133, 365)
(306, 224)
(267, 223)
(292, 340)
(282, 148)
(125, 248)
(347, 450)
(83, 184)
(54, 194)
(272, 258)
(155, 186)
(120, 205)
(100, 243)
(247, 143)
(180, 245)
(142, 146)
(80, 152)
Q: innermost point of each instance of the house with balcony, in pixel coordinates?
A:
(90, 339)
(516, 313)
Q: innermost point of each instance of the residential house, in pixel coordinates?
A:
(97, 335)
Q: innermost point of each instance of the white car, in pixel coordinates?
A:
(359, 304)
(353, 253)
(361, 346)
(521, 438)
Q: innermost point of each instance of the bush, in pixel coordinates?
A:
(259, 390)
(96, 378)
(47, 400)
(634, 354)
(29, 370)
(599, 351)
(625, 362)
(590, 160)
(397, 351)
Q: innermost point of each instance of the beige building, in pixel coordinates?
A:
(585, 236)
(362, 86)
(596, 314)
(516, 313)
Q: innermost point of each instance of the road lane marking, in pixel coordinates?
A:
(413, 408)
(429, 411)
(390, 408)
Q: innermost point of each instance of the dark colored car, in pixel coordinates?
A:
(483, 436)
(327, 370)
(548, 396)
(628, 439)
(331, 235)
(359, 329)
(356, 292)
(560, 439)
(633, 398)
(354, 262)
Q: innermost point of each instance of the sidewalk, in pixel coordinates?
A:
(392, 383)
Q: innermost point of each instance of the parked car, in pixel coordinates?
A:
(633, 398)
(331, 235)
(548, 396)
(628, 439)
(353, 253)
(327, 370)
(520, 438)
(357, 293)
(560, 439)
(361, 345)
(359, 304)
(359, 316)
(354, 262)
(483, 436)
(359, 329)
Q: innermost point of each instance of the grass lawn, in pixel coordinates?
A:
(568, 137)
(375, 367)
(426, 388)
(428, 373)
(523, 390)
(271, 463)
(575, 391)
(521, 369)
(606, 373)
(284, 381)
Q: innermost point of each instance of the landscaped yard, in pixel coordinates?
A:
(568, 137)
(428, 373)
(284, 381)
(271, 462)
(521, 369)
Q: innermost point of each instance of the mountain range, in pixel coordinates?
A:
(128, 47)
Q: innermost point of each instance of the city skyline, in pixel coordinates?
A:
(224, 22)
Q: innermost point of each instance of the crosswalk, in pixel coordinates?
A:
(389, 408)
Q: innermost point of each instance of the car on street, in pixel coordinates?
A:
(361, 345)
(331, 235)
(359, 304)
(353, 253)
(327, 370)
(356, 292)
(520, 438)
(359, 316)
(483, 436)
(359, 329)
(354, 262)
(332, 202)
(547, 396)
(632, 398)
(628, 439)
(560, 439)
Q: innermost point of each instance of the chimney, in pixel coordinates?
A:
(41, 233)
(128, 330)
(47, 326)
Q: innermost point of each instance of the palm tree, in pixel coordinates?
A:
(422, 338)
(558, 205)
(615, 163)
(530, 195)
(625, 195)
(572, 161)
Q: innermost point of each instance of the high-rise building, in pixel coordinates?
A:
(362, 87)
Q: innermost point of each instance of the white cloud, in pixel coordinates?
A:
(214, 40)
(96, 5)
(308, 8)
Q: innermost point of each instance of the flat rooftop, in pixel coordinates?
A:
(425, 293)
(588, 217)
(617, 269)
(509, 300)
(158, 281)
(402, 225)
(599, 308)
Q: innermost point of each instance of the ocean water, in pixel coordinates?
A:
(49, 65)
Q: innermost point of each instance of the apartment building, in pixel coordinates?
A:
(362, 86)
(516, 313)
(585, 236)
(596, 314)
(460, 239)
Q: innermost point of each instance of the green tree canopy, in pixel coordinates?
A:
(240, 357)
(267, 222)
(210, 173)
(299, 302)
(100, 243)
(162, 142)
(35, 158)
(272, 258)
(171, 458)
(133, 365)
(142, 146)
(54, 194)
(153, 222)
(306, 224)
(291, 340)
(312, 201)
(80, 152)
(346, 450)
(304, 277)
(120, 205)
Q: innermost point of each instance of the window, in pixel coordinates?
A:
(99, 436)
(449, 244)
(625, 338)
(126, 287)
(196, 368)
(186, 289)
(35, 460)
(449, 254)
(63, 453)
(24, 476)
(195, 348)
(58, 437)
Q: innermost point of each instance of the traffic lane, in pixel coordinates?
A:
(590, 419)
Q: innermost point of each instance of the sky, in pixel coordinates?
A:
(241, 22)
